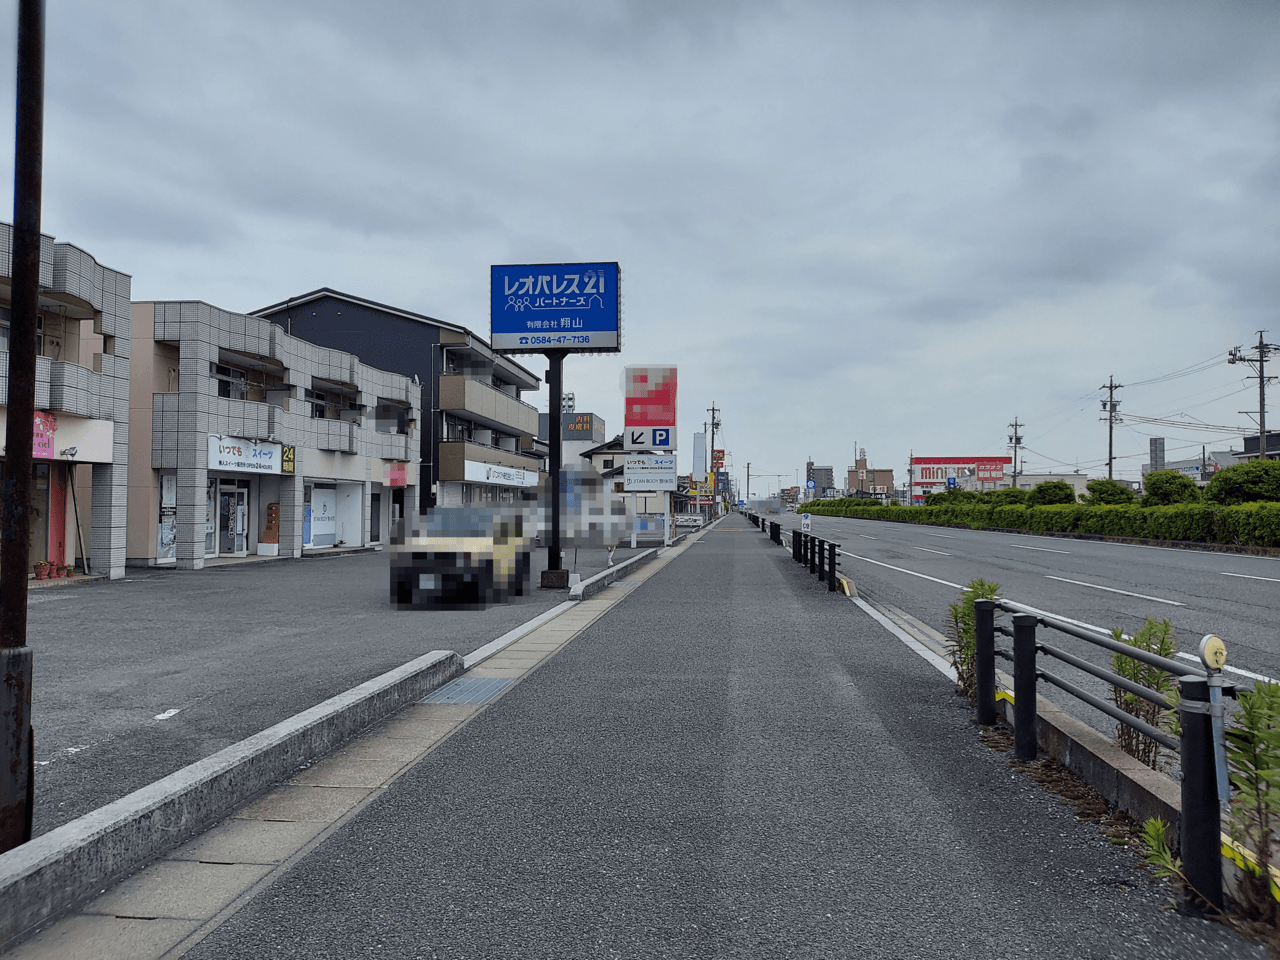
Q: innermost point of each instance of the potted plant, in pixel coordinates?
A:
(67, 571)
(42, 569)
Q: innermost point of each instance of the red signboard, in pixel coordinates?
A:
(398, 476)
(717, 459)
(42, 435)
(650, 397)
(932, 471)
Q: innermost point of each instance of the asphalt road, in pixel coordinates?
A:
(731, 762)
(920, 569)
(137, 678)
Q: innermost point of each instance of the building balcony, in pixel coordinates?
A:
(455, 453)
(487, 406)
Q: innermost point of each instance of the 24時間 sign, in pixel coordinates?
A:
(555, 306)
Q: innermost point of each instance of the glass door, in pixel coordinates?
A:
(233, 520)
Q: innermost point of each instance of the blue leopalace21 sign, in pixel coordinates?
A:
(556, 306)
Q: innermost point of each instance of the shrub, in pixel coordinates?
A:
(1156, 636)
(1169, 486)
(1107, 490)
(1001, 498)
(946, 497)
(961, 649)
(1253, 753)
(1052, 491)
(1246, 483)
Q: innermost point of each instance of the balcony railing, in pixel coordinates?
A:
(480, 401)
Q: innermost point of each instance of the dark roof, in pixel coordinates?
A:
(323, 292)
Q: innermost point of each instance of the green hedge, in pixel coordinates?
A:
(1250, 524)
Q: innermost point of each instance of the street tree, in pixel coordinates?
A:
(1106, 490)
(1245, 483)
(1169, 486)
(1051, 491)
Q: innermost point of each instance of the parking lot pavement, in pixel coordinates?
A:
(137, 678)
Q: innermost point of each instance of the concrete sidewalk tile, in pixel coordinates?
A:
(311, 804)
(248, 841)
(437, 711)
(105, 938)
(179, 889)
(391, 748)
(348, 772)
(531, 659)
(422, 732)
(486, 671)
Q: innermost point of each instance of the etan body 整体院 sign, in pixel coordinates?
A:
(641, 474)
(244, 456)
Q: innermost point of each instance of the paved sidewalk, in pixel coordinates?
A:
(718, 758)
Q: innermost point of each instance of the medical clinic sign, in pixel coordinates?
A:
(934, 472)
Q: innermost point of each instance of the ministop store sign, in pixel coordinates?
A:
(555, 306)
(935, 471)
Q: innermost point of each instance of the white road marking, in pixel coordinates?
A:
(865, 537)
(927, 550)
(1127, 593)
(1244, 673)
(945, 536)
(922, 576)
(1019, 546)
(1247, 577)
(906, 638)
(167, 714)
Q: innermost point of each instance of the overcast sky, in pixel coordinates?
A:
(893, 225)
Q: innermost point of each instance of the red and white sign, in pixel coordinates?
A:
(397, 476)
(934, 471)
(650, 396)
(650, 408)
(42, 431)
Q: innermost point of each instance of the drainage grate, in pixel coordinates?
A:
(469, 690)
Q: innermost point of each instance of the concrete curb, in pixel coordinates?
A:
(593, 585)
(53, 872)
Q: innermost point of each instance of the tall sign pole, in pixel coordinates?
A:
(555, 309)
(17, 756)
(555, 384)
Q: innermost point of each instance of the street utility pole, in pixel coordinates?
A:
(1109, 408)
(1015, 439)
(715, 474)
(17, 753)
(1258, 362)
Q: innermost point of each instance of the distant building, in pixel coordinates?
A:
(1251, 444)
(863, 479)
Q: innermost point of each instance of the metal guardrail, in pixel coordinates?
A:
(821, 556)
(1199, 746)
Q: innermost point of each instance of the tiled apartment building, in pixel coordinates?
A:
(249, 440)
(81, 444)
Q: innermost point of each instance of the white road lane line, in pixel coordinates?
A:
(1182, 654)
(1127, 593)
(1019, 546)
(167, 714)
(927, 550)
(1247, 577)
(922, 576)
(865, 537)
(945, 536)
(906, 638)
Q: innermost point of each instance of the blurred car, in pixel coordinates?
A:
(461, 557)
